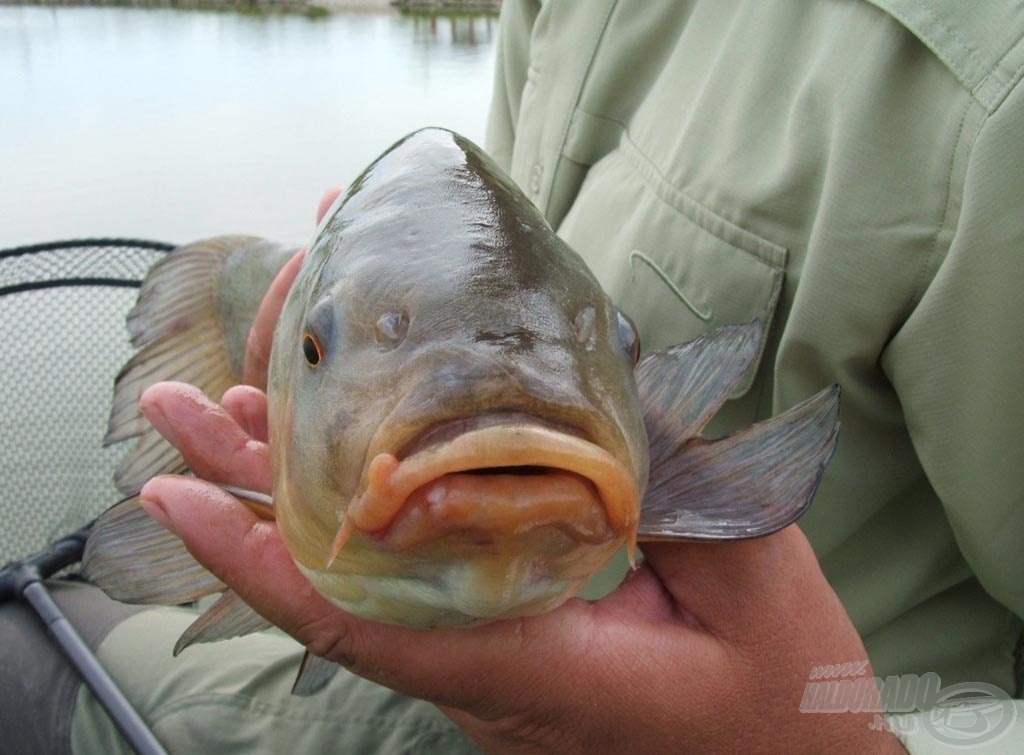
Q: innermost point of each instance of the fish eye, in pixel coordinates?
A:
(629, 337)
(311, 349)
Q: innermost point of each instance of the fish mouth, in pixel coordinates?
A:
(490, 478)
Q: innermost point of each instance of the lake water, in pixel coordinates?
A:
(174, 124)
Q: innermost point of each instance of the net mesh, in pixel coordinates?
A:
(62, 310)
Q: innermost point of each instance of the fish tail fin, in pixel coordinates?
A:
(751, 483)
(190, 323)
(229, 617)
(315, 673)
(134, 559)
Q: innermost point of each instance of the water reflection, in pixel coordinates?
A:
(178, 124)
(454, 29)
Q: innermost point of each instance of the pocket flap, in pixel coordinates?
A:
(673, 265)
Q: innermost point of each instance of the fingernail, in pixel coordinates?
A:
(156, 510)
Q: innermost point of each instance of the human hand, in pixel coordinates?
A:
(705, 647)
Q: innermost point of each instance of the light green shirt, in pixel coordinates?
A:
(852, 174)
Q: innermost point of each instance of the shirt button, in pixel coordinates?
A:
(536, 175)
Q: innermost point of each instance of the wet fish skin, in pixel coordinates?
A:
(444, 314)
(434, 237)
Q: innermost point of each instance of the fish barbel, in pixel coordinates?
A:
(461, 426)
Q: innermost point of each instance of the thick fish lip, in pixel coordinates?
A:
(568, 479)
(443, 432)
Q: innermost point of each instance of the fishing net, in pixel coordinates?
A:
(62, 316)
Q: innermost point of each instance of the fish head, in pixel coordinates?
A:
(454, 420)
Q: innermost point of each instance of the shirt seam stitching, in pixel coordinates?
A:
(930, 262)
(253, 706)
(1012, 80)
(578, 86)
(981, 85)
(967, 47)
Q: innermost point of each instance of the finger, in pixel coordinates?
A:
(326, 201)
(261, 335)
(207, 518)
(248, 407)
(215, 447)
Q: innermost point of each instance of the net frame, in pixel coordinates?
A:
(53, 269)
(62, 315)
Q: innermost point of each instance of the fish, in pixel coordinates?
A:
(463, 426)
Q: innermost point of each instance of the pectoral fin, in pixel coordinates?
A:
(748, 484)
(682, 387)
(314, 674)
(229, 617)
(134, 559)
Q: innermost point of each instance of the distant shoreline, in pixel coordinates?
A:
(453, 6)
(285, 6)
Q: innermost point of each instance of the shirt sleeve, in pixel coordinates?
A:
(510, 75)
(957, 363)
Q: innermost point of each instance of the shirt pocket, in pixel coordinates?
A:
(673, 265)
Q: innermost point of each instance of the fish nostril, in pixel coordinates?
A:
(585, 325)
(391, 327)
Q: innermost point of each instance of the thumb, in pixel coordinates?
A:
(773, 582)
